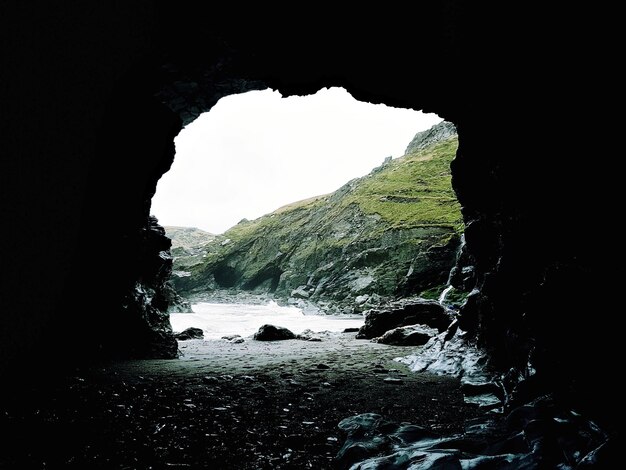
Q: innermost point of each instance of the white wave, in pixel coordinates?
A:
(217, 320)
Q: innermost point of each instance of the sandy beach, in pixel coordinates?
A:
(228, 406)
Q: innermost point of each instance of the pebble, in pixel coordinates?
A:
(323, 366)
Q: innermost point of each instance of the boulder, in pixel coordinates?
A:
(412, 335)
(273, 333)
(189, 333)
(309, 335)
(414, 312)
(235, 339)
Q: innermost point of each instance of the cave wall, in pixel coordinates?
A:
(93, 95)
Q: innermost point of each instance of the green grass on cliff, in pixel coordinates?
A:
(408, 192)
(275, 222)
(414, 190)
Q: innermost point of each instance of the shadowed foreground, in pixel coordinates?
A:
(250, 405)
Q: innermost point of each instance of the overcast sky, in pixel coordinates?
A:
(257, 151)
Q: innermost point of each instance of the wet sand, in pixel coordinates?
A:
(222, 406)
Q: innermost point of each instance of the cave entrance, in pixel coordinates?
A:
(283, 207)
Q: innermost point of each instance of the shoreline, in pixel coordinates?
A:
(218, 320)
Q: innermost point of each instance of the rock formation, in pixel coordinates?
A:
(189, 333)
(273, 333)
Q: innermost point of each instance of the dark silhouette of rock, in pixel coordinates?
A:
(411, 335)
(415, 312)
(541, 436)
(189, 333)
(273, 333)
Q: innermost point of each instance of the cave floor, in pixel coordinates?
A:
(222, 406)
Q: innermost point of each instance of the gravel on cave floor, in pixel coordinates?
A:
(241, 406)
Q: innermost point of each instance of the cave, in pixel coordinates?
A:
(93, 96)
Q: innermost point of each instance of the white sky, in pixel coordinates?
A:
(256, 151)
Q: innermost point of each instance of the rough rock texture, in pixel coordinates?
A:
(453, 352)
(533, 436)
(403, 313)
(92, 97)
(391, 233)
(411, 335)
(146, 305)
(442, 131)
(234, 339)
(273, 333)
(190, 333)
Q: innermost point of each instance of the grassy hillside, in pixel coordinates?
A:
(408, 192)
(390, 233)
(414, 190)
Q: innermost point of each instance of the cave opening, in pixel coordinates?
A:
(307, 212)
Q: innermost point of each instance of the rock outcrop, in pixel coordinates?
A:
(411, 335)
(537, 436)
(152, 296)
(404, 313)
(442, 131)
(273, 333)
(391, 233)
(190, 333)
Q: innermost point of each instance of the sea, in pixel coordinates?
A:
(222, 319)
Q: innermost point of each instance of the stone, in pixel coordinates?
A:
(235, 339)
(350, 330)
(414, 312)
(189, 333)
(309, 335)
(273, 333)
(412, 335)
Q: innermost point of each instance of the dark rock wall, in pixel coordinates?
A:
(93, 94)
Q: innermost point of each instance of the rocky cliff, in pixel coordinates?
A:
(188, 246)
(393, 232)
